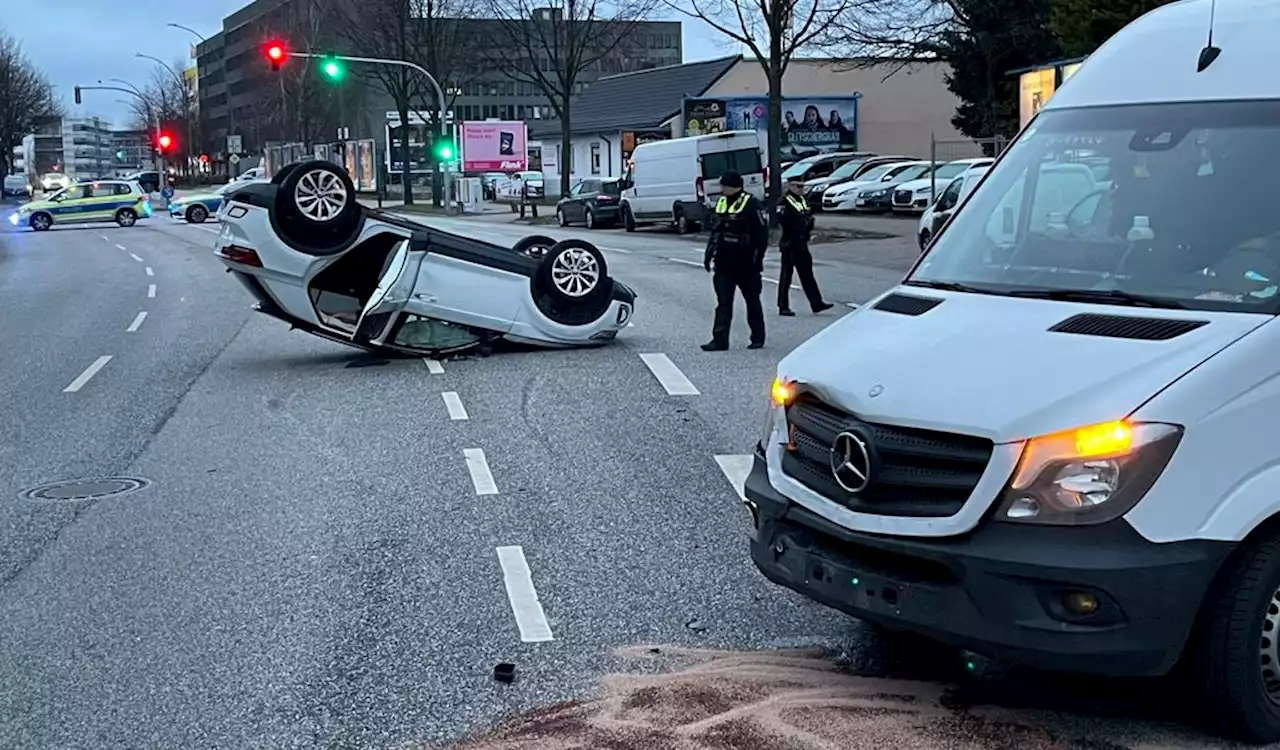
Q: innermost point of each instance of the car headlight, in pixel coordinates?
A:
(1089, 475)
(13, 219)
(924, 191)
(875, 193)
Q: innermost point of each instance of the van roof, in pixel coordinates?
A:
(1153, 59)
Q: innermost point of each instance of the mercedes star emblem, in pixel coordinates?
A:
(876, 390)
(851, 462)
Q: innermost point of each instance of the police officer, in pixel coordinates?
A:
(739, 238)
(797, 225)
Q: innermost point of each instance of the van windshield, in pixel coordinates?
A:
(1162, 205)
(744, 161)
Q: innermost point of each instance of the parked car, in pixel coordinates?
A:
(819, 166)
(594, 203)
(15, 186)
(148, 179)
(313, 257)
(915, 196)
(854, 169)
(489, 184)
(670, 181)
(53, 181)
(873, 189)
(948, 203)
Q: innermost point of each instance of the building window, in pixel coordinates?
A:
(595, 158)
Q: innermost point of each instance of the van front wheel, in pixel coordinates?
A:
(1237, 650)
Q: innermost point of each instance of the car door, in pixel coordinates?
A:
(590, 189)
(573, 207)
(77, 205)
(394, 291)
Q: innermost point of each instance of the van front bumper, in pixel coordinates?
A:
(999, 591)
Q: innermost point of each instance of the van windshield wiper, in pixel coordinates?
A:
(948, 286)
(1102, 296)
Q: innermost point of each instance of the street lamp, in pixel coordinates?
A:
(186, 103)
(231, 110)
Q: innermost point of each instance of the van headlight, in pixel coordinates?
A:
(1089, 475)
(781, 393)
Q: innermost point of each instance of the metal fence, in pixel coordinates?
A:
(943, 151)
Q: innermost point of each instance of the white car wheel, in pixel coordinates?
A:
(320, 195)
(574, 272)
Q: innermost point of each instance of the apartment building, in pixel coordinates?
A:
(80, 147)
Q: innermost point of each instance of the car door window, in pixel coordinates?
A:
(429, 334)
(576, 190)
(949, 196)
(122, 189)
(82, 191)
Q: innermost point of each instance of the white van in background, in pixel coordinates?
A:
(673, 181)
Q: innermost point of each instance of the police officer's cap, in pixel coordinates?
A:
(731, 180)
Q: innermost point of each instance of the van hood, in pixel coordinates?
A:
(989, 366)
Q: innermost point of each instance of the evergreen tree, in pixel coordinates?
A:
(1081, 26)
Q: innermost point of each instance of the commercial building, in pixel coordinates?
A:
(238, 93)
(884, 107)
(81, 148)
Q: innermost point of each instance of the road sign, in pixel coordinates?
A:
(235, 158)
(235, 144)
(167, 192)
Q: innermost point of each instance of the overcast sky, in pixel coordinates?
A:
(84, 41)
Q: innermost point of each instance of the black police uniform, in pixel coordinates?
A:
(797, 226)
(739, 238)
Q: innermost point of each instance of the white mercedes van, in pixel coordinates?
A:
(1058, 440)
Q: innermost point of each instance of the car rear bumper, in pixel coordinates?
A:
(998, 591)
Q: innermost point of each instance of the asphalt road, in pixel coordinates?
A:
(334, 556)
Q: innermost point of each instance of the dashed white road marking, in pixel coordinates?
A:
(207, 229)
(669, 375)
(137, 322)
(736, 467)
(88, 374)
(120, 247)
(686, 261)
(481, 477)
(150, 272)
(454, 404)
(517, 577)
(131, 255)
(775, 281)
(105, 238)
(151, 291)
(617, 250)
(434, 367)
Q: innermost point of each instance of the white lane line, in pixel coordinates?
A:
(686, 261)
(151, 291)
(481, 477)
(88, 374)
(736, 467)
(105, 238)
(131, 255)
(775, 281)
(854, 305)
(122, 247)
(616, 250)
(150, 272)
(669, 375)
(517, 577)
(207, 229)
(454, 404)
(137, 322)
(434, 367)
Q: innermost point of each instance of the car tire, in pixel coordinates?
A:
(279, 177)
(315, 205)
(535, 245)
(197, 214)
(1234, 651)
(560, 218)
(628, 221)
(572, 284)
(683, 225)
(591, 219)
(40, 221)
(126, 217)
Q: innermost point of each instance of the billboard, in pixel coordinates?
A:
(810, 124)
(494, 146)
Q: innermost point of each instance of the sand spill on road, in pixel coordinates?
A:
(790, 700)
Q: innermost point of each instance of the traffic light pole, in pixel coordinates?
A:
(435, 85)
(155, 117)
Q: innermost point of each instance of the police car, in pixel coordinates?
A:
(120, 201)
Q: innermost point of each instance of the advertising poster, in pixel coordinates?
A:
(633, 138)
(809, 124)
(1035, 88)
(494, 147)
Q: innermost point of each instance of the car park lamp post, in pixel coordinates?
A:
(435, 86)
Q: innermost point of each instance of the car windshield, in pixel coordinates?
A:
(951, 170)
(871, 175)
(914, 172)
(1182, 220)
(611, 187)
(798, 169)
(531, 176)
(57, 194)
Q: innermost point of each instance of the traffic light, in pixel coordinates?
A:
(276, 53)
(78, 99)
(121, 155)
(333, 69)
(204, 158)
(442, 145)
(164, 142)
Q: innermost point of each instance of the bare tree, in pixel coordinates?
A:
(774, 31)
(306, 107)
(904, 30)
(433, 34)
(25, 98)
(551, 47)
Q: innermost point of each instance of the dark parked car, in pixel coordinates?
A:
(149, 180)
(594, 202)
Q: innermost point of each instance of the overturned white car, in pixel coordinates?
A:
(315, 258)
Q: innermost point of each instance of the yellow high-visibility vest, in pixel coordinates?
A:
(723, 207)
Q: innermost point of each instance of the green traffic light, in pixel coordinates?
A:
(445, 151)
(332, 69)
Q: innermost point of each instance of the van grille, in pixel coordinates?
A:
(918, 473)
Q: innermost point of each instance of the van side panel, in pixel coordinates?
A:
(1225, 477)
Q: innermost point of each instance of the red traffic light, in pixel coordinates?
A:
(204, 158)
(164, 142)
(276, 53)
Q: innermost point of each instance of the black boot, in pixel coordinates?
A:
(714, 346)
(822, 306)
(786, 312)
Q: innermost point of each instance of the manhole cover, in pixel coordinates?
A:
(84, 489)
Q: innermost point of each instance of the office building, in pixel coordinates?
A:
(80, 147)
